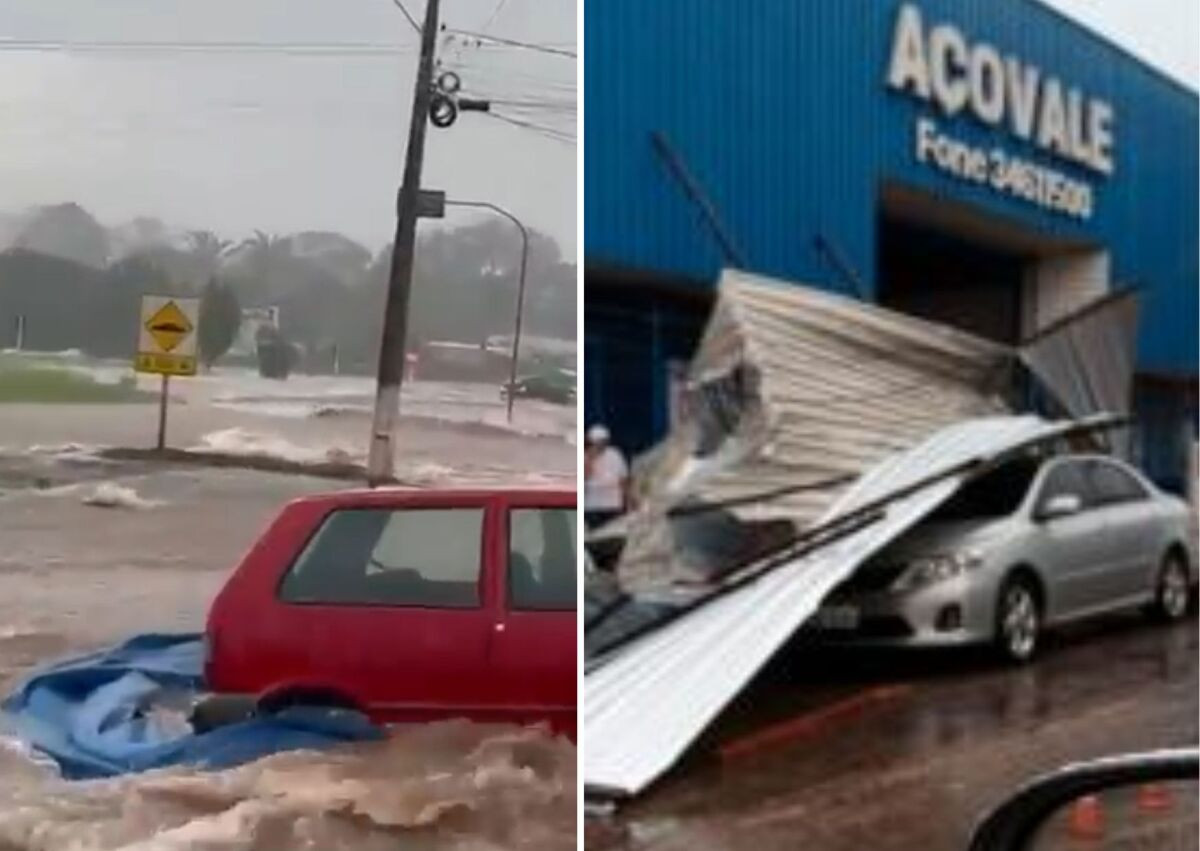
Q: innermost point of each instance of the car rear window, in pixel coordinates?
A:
(1112, 484)
(542, 562)
(409, 557)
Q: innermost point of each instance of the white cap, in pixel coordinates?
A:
(598, 434)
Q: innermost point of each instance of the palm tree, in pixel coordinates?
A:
(207, 249)
(266, 257)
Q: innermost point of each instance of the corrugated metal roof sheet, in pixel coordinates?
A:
(792, 386)
(1087, 359)
(644, 706)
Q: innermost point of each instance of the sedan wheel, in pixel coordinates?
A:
(1172, 591)
(1018, 621)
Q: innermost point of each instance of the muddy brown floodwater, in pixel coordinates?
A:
(442, 786)
(853, 750)
(76, 576)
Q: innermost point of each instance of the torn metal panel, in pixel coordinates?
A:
(1086, 360)
(646, 704)
(792, 386)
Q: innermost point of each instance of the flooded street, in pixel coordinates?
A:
(449, 785)
(457, 432)
(855, 750)
(96, 550)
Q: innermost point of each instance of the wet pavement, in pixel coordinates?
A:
(94, 550)
(834, 749)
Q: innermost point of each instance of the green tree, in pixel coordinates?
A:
(112, 306)
(67, 231)
(220, 318)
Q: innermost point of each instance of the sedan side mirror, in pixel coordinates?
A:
(1062, 505)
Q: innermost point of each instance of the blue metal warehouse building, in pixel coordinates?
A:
(988, 163)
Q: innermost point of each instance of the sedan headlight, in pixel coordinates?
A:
(927, 570)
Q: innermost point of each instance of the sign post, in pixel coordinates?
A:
(162, 413)
(167, 345)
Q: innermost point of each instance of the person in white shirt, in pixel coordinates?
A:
(606, 478)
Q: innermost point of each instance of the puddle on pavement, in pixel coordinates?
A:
(450, 785)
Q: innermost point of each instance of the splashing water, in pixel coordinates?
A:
(428, 472)
(113, 495)
(64, 451)
(247, 443)
(450, 785)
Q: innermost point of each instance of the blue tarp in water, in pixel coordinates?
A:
(95, 715)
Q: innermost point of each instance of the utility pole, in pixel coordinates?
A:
(381, 453)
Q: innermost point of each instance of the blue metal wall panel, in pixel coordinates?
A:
(630, 341)
(779, 109)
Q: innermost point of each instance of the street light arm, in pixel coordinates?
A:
(488, 205)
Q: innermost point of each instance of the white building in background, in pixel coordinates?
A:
(253, 318)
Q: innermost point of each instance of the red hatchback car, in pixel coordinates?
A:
(407, 605)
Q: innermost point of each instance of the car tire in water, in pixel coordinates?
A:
(218, 710)
(1018, 620)
(1172, 589)
(276, 702)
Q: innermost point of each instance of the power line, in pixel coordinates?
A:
(504, 82)
(525, 45)
(201, 47)
(525, 106)
(399, 4)
(492, 17)
(544, 105)
(542, 129)
(485, 83)
(505, 61)
(559, 121)
(529, 122)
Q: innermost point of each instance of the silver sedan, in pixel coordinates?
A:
(1033, 543)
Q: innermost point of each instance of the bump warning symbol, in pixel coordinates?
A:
(169, 326)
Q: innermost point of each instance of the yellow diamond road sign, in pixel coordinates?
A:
(167, 335)
(169, 326)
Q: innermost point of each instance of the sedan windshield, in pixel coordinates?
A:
(996, 493)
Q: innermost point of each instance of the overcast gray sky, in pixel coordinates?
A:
(1163, 32)
(308, 138)
(312, 138)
